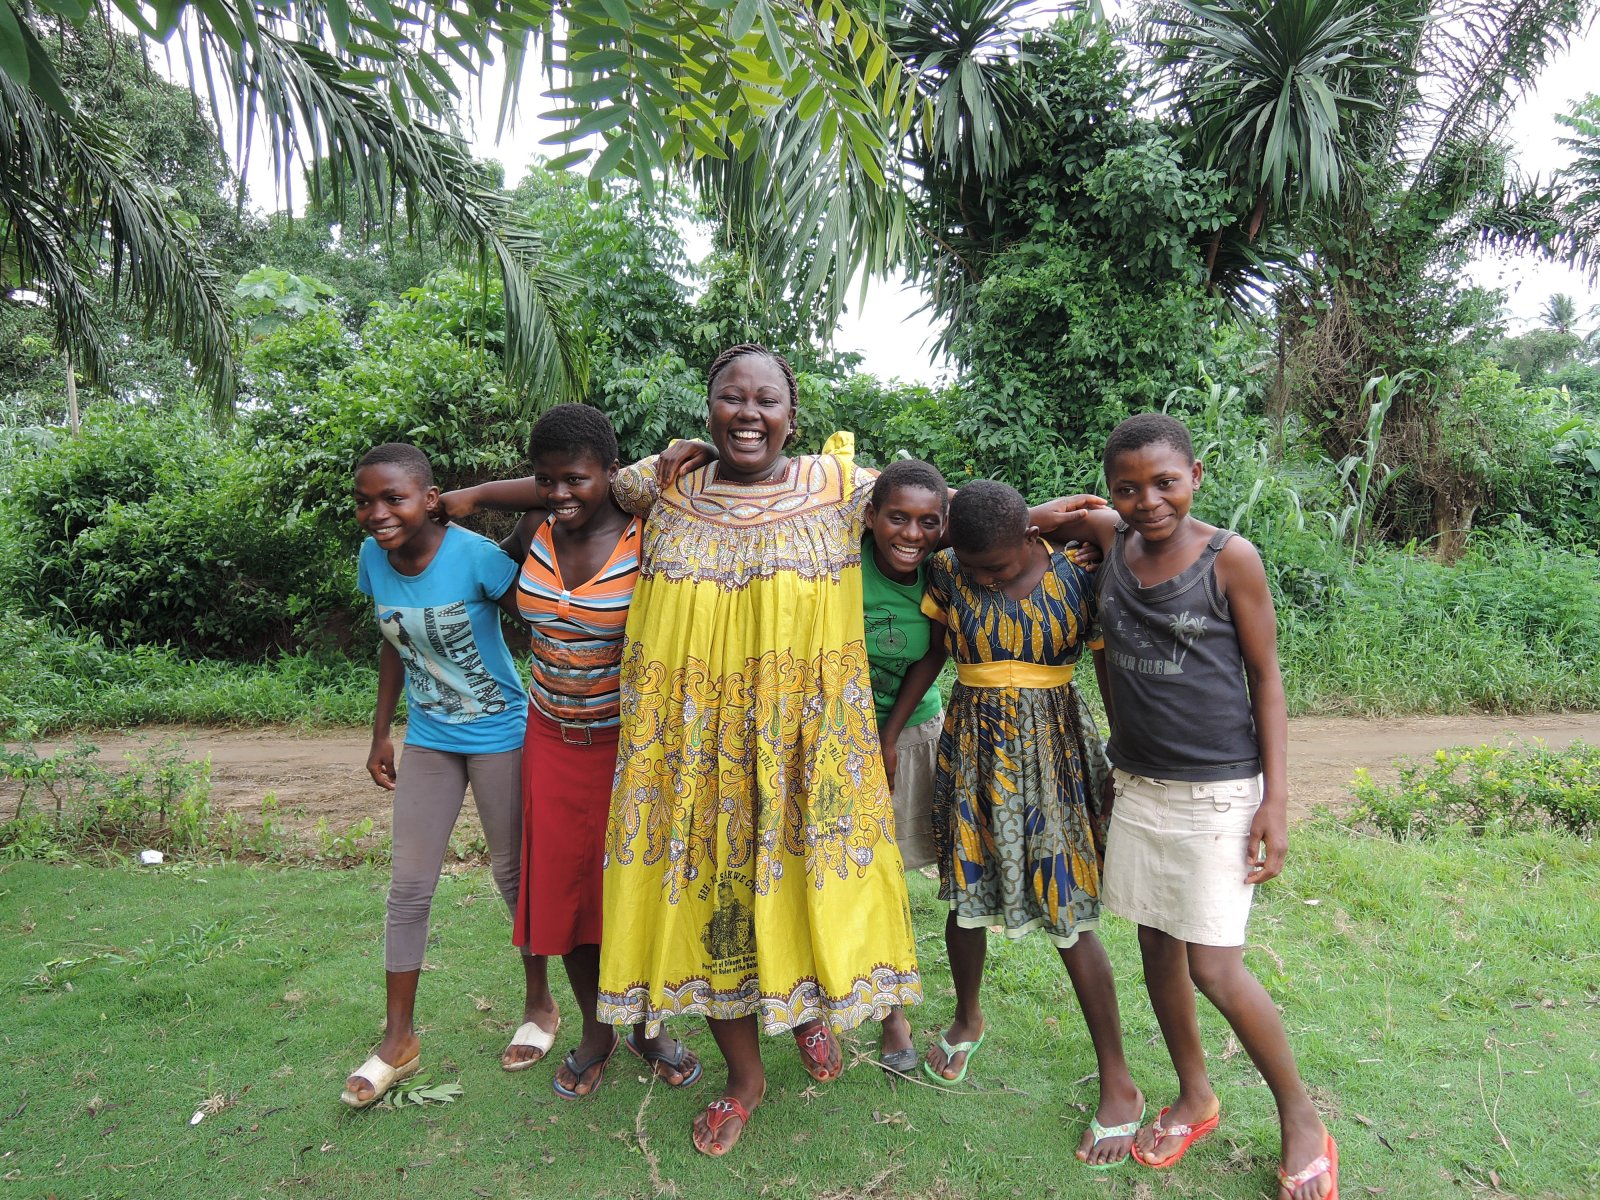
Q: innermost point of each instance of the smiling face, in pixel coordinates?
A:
(394, 506)
(998, 567)
(905, 530)
(751, 417)
(1152, 488)
(573, 488)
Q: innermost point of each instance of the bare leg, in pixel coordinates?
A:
(1166, 978)
(1089, 968)
(538, 1006)
(1220, 973)
(739, 1041)
(896, 1034)
(583, 973)
(966, 949)
(399, 1045)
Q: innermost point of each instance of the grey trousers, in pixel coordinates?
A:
(430, 786)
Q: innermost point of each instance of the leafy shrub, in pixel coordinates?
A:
(154, 527)
(1489, 789)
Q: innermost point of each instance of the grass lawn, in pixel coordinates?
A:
(1444, 999)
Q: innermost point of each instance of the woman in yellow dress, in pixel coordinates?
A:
(751, 874)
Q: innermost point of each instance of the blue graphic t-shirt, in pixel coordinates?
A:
(462, 690)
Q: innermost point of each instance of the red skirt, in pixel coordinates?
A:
(566, 800)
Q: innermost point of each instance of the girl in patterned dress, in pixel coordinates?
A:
(1011, 809)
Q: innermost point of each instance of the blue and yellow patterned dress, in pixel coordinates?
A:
(1012, 817)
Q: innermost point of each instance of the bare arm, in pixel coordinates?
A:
(921, 675)
(1059, 521)
(391, 678)
(503, 495)
(1244, 583)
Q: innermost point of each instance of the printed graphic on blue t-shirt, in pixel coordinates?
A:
(462, 689)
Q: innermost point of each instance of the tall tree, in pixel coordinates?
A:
(370, 85)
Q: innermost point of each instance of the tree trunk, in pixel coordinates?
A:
(72, 395)
(1452, 522)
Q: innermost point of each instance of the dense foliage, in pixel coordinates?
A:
(1424, 487)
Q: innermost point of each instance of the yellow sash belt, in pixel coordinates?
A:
(1013, 674)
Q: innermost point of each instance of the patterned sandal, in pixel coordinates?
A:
(1326, 1163)
(819, 1053)
(1102, 1132)
(1189, 1133)
(718, 1113)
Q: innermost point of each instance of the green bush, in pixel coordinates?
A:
(1488, 789)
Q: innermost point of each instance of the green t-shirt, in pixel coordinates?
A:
(897, 636)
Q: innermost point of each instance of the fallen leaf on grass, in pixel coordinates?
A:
(547, 1158)
(419, 1091)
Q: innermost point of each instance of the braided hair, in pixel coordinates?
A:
(748, 349)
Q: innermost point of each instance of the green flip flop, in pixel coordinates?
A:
(1102, 1132)
(950, 1051)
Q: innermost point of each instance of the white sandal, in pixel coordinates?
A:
(529, 1034)
(382, 1077)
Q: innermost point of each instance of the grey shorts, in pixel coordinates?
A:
(913, 791)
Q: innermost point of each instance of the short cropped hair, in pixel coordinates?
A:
(910, 473)
(987, 514)
(1147, 429)
(574, 430)
(403, 455)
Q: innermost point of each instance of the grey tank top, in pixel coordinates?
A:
(1178, 690)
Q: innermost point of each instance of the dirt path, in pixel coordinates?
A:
(323, 775)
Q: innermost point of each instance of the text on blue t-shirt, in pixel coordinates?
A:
(463, 693)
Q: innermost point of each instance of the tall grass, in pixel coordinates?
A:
(56, 681)
(1513, 627)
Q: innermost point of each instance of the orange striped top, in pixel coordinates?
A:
(576, 632)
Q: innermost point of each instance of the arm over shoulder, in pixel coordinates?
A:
(636, 488)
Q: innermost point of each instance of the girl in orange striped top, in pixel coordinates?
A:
(580, 558)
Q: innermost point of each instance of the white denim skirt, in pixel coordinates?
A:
(1175, 856)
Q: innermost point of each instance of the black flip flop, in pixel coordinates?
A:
(900, 1062)
(674, 1061)
(579, 1069)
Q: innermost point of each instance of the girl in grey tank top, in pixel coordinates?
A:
(1178, 681)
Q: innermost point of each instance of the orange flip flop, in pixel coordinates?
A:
(1189, 1133)
(1326, 1163)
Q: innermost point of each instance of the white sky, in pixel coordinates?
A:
(895, 340)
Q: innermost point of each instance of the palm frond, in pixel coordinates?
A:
(76, 202)
(1477, 57)
(378, 156)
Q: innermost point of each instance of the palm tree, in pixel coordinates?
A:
(1270, 90)
(1560, 314)
(370, 86)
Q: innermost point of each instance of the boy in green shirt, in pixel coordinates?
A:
(906, 518)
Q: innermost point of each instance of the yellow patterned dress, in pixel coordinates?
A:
(1013, 804)
(750, 859)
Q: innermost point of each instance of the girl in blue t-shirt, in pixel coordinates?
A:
(438, 591)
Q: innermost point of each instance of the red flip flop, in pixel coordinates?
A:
(1326, 1163)
(718, 1113)
(817, 1050)
(1189, 1133)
